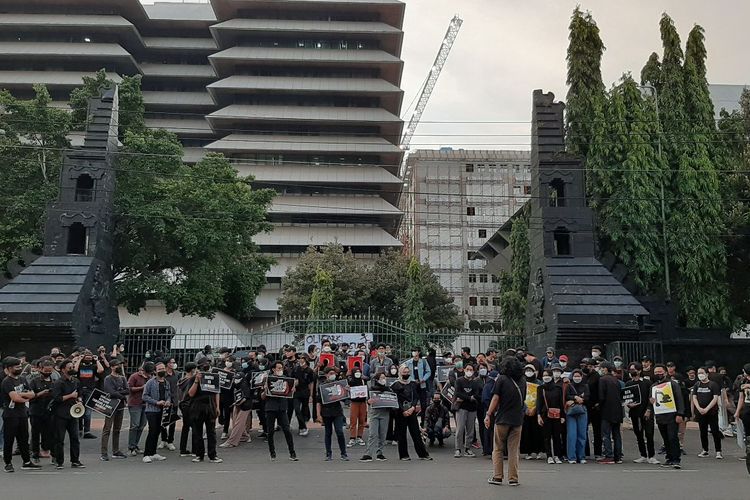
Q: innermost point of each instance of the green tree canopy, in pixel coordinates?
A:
(514, 286)
(130, 97)
(414, 305)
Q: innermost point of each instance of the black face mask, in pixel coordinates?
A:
(658, 377)
(633, 374)
(586, 370)
(161, 374)
(17, 372)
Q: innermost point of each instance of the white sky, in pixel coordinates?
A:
(508, 48)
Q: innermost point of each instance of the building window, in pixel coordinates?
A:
(495, 279)
(471, 211)
(469, 167)
(77, 239)
(472, 278)
(472, 301)
(482, 233)
(496, 301)
(562, 241)
(471, 255)
(527, 190)
(84, 188)
(483, 278)
(484, 301)
(557, 193)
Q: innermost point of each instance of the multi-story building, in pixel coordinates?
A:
(304, 95)
(454, 202)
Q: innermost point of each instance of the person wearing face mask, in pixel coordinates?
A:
(667, 419)
(591, 376)
(276, 408)
(468, 396)
(116, 386)
(206, 353)
(379, 419)
(41, 420)
(204, 409)
(618, 371)
(642, 426)
(437, 421)
(183, 399)
(704, 398)
(531, 433)
(303, 395)
(610, 401)
(380, 362)
(420, 374)
(550, 359)
(172, 378)
(259, 404)
(158, 398)
(15, 395)
(240, 389)
(331, 415)
(743, 410)
(647, 373)
(90, 373)
(576, 416)
(481, 375)
(407, 392)
(226, 398)
(136, 407)
(596, 353)
(358, 410)
(566, 369)
(550, 416)
(391, 434)
(65, 395)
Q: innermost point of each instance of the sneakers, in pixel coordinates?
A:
(57, 466)
(273, 457)
(171, 447)
(583, 461)
(495, 481)
(226, 445)
(88, 435)
(381, 458)
(654, 461)
(469, 453)
(185, 453)
(703, 454)
(304, 432)
(133, 452)
(457, 454)
(30, 466)
(405, 459)
(558, 461)
(216, 460)
(77, 465)
(104, 457)
(676, 466)
(9, 468)
(158, 458)
(360, 441)
(550, 460)
(641, 460)
(293, 458)
(366, 458)
(224, 435)
(719, 456)
(161, 445)
(118, 455)
(344, 458)
(513, 482)
(350, 443)
(427, 458)
(197, 460)
(147, 460)
(572, 462)
(606, 461)
(329, 458)
(529, 457)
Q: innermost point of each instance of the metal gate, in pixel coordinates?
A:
(631, 351)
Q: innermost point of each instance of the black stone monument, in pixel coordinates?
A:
(63, 298)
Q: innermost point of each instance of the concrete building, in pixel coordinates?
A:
(302, 94)
(455, 201)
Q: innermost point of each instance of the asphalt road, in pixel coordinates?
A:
(247, 473)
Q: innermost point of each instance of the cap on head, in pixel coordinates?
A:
(563, 357)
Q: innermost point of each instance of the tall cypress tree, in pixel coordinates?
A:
(414, 305)
(585, 87)
(651, 72)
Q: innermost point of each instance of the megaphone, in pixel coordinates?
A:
(77, 410)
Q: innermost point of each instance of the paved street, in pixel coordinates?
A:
(248, 473)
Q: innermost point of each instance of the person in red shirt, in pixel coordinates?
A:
(136, 407)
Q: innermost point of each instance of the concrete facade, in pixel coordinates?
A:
(455, 201)
(302, 94)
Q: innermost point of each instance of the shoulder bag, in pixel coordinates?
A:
(574, 408)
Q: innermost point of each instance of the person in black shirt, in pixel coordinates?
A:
(65, 395)
(276, 408)
(301, 401)
(331, 415)
(592, 405)
(183, 401)
(204, 409)
(549, 403)
(116, 385)
(610, 401)
(406, 416)
(642, 426)
(468, 396)
(41, 421)
(704, 398)
(743, 409)
(90, 374)
(15, 394)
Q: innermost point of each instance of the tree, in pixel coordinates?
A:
(514, 285)
(585, 87)
(651, 72)
(414, 305)
(131, 106)
(31, 149)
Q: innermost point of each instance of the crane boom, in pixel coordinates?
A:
(429, 86)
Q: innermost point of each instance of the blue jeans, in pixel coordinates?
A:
(611, 432)
(577, 436)
(137, 424)
(330, 424)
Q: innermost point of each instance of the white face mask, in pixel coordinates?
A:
(332, 377)
(260, 355)
(529, 373)
(173, 366)
(358, 375)
(228, 364)
(414, 354)
(595, 354)
(278, 373)
(702, 377)
(577, 380)
(547, 379)
(381, 381)
(563, 364)
(483, 372)
(327, 349)
(468, 373)
(618, 364)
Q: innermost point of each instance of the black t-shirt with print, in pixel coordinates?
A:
(512, 396)
(11, 408)
(705, 392)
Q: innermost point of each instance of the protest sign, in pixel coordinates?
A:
(238, 397)
(210, 382)
(448, 392)
(327, 359)
(664, 401)
(353, 362)
(169, 416)
(334, 391)
(280, 387)
(259, 379)
(631, 395)
(358, 391)
(101, 402)
(337, 338)
(442, 373)
(384, 400)
(531, 390)
(225, 378)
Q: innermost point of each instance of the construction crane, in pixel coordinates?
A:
(406, 203)
(428, 87)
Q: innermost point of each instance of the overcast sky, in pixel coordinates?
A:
(508, 48)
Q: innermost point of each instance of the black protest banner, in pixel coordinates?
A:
(442, 372)
(101, 402)
(384, 400)
(631, 395)
(259, 379)
(225, 378)
(210, 382)
(334, 391)
(448, 392)
(280, 387)
(239, 398)
(169, 416)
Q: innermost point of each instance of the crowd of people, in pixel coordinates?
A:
(509, 405)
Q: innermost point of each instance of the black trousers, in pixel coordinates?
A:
(411, 424)
(167, 433)
(16, 429)
(301, 408)
(199, 423)
(391, 434)
(278, 416)
(595, 420)
(644, 427)
(185, 433)
(669, 433)
(704, 421)
(553, 443)
(41, 433)
(154, 430)
(225, 411)
(67, 426)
